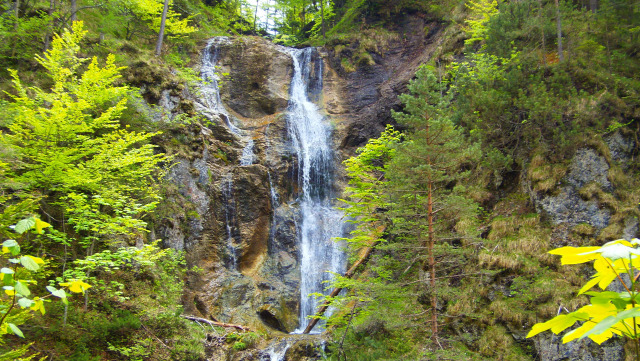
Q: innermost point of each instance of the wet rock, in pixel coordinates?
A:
(294, 348)
(259, 77)
(191, 178)
(630, 228)
(269, 315)
(305, 350)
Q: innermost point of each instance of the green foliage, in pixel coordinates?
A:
(239, 346)
(481, 13)
(149, 12)
(138, 352)
(364, 196)
(387, 199)
(17, 303)
(70, 147)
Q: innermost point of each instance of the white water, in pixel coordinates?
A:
(210, 90)
(212, 102)
(277, 350)
(247, 153)
(320, 222)
(229, 218)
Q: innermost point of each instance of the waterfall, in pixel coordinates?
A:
(210, 94)
(277, 350)
(247, 153)
(229, 214)
(320, 222)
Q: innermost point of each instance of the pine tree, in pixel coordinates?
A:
(427, 178)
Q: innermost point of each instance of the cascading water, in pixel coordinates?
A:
(210, 90)
(212, 102)
(276, 351)
(229, 214)
(247, 153)
(320, 222)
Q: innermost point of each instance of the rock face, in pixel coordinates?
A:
(571, 206)
(551, 348)
(239, 218)
(568, 206)
(243, 239)
(366, 95)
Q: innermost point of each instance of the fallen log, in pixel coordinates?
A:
(364, 258)
(216, 323)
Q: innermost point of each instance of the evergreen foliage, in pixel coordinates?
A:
(413, 193)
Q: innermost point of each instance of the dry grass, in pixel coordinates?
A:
(612, 232)
(584, 229)
(501, 227)
(618, 177)
(479, 194)
(494, 341)
(377, 40)
(492, 260)
(505, 311)
(590, 191)
(532, 244)
(594, 190)
(467, 226)
(546, 177)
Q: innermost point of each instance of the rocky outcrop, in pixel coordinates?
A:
(256, 77)
(239, 223)
(579, 200)
(567, 206)
(551, 348)
(365, 94)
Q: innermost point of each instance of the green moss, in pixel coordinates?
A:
(347, 65)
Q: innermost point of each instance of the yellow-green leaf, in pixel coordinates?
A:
(40, 225)
(575, 255)
(76, 286)
(592, 282)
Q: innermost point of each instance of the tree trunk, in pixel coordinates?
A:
(216, 323)
(268, 11)
(432, 263)
(74, 11)
(47, 36)
(593, 6)
(304, 16)
(559, 25)
(163, 22)
(324, 37)
(364, 258)
(544, 45)
(16, 14)
(255, 17)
